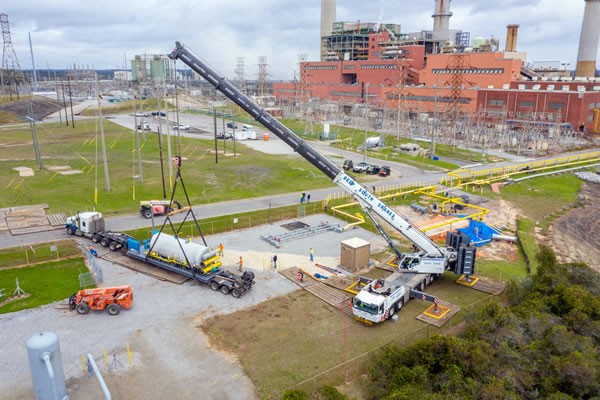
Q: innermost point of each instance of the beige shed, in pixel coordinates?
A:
(355, 254)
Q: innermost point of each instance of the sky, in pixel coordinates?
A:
(106, 34)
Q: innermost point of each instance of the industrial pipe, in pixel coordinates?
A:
(92, 363)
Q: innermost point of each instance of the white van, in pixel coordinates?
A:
(247, 128)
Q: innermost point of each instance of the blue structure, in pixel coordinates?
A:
(479, 232)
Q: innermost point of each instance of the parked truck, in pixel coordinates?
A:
(164, 251)
(418, 268)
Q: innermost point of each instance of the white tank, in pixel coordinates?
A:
(169, 247)
(45, 363)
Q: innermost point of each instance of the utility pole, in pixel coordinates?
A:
(137, 140)
(62, 83)
(215, 121)
(71, 99)
(101, 123)
(168, 134)
(35, 84)
(36, 143)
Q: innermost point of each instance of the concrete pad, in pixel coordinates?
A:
(71, 172)
(24, 171)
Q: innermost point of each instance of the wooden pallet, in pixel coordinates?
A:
(57, 219)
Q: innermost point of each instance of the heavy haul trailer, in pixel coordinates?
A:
(424, 265)
(167, 252)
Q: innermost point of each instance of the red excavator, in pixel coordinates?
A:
(111, 298)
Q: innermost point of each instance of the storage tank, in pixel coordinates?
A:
(174, 248)
(46, 367)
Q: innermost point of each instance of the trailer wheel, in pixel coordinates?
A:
(113, 245)
(214, 285)
(96, 238)
(224, 289)
(104, 242)
(147, 213)
(82, 308)
(237, 283)
(236, 293)
(113, 309)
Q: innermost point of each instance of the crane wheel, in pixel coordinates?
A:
(113, 309)
(214, 285)
(236, 293)
(82, 308)
(392, 311)
(399, 304)
(224, 289)
(69, 231)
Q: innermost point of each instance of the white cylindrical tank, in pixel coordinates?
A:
(169, 247)
(588, 41)
(46, 367)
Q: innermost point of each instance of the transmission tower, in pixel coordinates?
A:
(457, 67)
(11, 72)
(240, 75)
(303, 89)
(262, 75)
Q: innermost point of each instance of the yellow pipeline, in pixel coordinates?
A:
(467, 174)
(455, 200)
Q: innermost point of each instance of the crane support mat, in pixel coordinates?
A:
(449, 310)
(144, 268)
(334, 297)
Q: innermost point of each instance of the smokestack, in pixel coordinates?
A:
(512, 31)
(441, 16)
(588, 41)
(327, 20)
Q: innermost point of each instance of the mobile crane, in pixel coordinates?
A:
(430, 259)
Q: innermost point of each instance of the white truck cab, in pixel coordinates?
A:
(377, 302)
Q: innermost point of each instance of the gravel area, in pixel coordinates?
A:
(171, 356)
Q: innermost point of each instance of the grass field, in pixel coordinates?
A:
(286, 340)
(250, 174)
(540, 197)
(45, 283)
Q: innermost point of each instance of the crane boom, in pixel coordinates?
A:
(432, 259)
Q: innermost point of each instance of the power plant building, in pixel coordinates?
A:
(434, 71)
(152, 67)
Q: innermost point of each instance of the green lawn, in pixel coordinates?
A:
(291, 338)
(250, 174)
(540, 197)
(25, 255)
(46, 283)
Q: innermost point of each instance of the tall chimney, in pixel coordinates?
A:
(512, 32)
(327, 20)
(588, 41)
(441, 15)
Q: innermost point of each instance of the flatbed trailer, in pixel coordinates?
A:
(218, 279)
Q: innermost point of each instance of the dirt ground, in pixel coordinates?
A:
(575, 237)
(502, 214)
